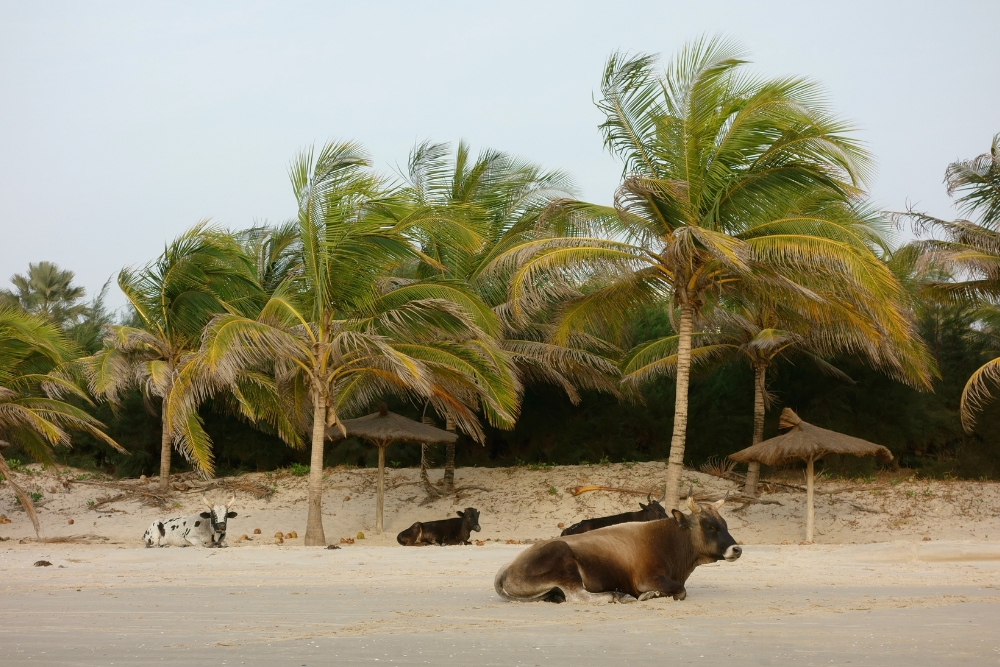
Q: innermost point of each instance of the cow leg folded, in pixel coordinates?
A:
(660, 586)
(582, 595)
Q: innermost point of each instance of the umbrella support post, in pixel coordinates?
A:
(810, 502)
(380, 497)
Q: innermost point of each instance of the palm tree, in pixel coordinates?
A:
(718, 165)
(48, 291)
(32, 414)
(340, 332)
(200, 274)
(966, 258)
(504, 199)
(763, 332)
(978, 182)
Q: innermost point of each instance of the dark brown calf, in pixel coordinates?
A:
(620, 563)
(443, 532)
(651, 512)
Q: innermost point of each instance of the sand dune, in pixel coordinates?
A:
(520, 504)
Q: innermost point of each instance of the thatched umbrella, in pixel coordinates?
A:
(383, 428)
(807, 443)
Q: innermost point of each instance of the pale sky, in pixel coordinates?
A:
(124, 123)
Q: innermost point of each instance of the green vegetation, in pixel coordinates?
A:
(741, 269)
(298, 470)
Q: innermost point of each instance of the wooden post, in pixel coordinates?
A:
(810, 507)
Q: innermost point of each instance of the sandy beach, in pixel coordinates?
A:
(872, 591)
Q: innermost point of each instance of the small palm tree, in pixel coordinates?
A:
(966, 258)
(48, 291)
(340, 332)
(202, 273)
(721, 168)
(32, 414)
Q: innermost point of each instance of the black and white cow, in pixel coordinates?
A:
(207, 529)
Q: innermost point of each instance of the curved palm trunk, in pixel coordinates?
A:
(429, 488)
(675, 464)
(22, 495)
(166, 444)
(315, 537)
(753, 469)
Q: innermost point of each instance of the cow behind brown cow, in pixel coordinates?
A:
(443, 532)
(621, 563)
(652, 511)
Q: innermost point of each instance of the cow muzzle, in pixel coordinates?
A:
(733, 553)
(476, 528)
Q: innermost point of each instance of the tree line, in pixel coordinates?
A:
(740, 265)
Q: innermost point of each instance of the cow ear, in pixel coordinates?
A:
(679, 517)
(205, 515)
(230, 515)
(645, 507)
(461, 514)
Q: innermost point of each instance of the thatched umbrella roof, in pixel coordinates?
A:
(382, 428)
(385, 426)
(804, 442)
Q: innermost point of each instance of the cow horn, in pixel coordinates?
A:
(649, 497)
(205, 500)
(231, 501)
(719, 503)
(691, 503)
(663, 496)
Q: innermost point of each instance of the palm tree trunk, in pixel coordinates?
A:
(315, 537)
(380, 489)
(166, 445)
(448, 481)
(675, 464)
(753, 469)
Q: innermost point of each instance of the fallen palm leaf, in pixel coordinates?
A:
(577, 490)
(66, 539)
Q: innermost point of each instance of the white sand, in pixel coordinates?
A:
(892, 599)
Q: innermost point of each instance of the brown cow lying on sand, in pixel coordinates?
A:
(620, 563)
(443, 532)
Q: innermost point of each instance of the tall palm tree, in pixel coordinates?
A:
(48, 291)
(201, 273)
(32, 412)
(715, 161)
(341, 332)
(764, 329)
(505, 200)
(966, 257)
